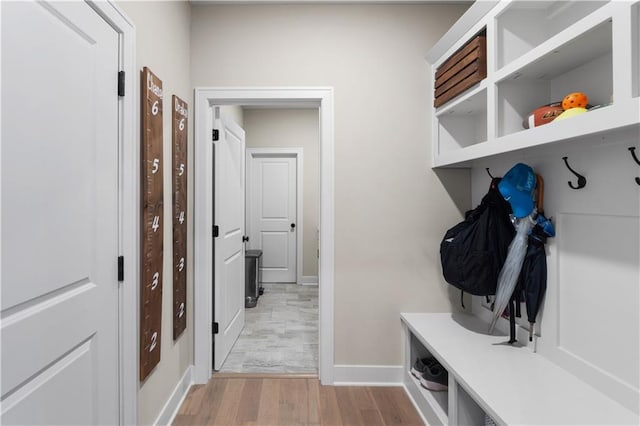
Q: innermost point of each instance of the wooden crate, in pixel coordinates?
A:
(463, 69)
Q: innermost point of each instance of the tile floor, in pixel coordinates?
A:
(280, 334)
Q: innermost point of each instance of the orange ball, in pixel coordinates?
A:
(575, 100)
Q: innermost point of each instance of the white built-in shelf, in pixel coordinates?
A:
(523, 26)
(513, 385)
(537, 52)
(594, 124)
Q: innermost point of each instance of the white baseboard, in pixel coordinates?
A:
(171, 407)
(309, 280)
(367, 375)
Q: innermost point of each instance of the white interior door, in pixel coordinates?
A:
(272, 213)
(229, 178)
(59, 215)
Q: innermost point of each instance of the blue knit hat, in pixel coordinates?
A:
(517, 188)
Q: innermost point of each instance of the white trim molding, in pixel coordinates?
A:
(172, 405)
(290, 97)
(298, 154)
(129, 200)
(368, 375)
(309, 280)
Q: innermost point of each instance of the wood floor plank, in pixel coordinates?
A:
(293, 402)
(366, 405)
(193, 401)
(394, 406)
(313, 402)
(211, 401)
(249, 402)
(329, 409)
(349, 415)
(230, 403)
(269, 404)
(184, 420)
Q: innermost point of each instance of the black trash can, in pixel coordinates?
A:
(251, 277)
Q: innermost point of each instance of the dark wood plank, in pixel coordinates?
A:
(457, 89)
(459, 55)
(457, 78)
(466, 61)
(152, 218)
(461, 71)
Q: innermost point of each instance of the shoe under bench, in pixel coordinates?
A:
(511, 384)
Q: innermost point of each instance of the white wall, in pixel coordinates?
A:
(286, 128)
(163, 44)
(391, 208)
(235, 112)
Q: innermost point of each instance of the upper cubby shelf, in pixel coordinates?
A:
(583, 64)
(537, 53)
(581, 129)
(525, 25)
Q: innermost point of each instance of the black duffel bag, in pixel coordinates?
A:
(473, 252)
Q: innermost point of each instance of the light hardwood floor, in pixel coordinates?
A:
(293, 401)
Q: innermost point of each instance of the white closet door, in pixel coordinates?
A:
(59, 215)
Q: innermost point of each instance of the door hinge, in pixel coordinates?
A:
(120, 268)
(215, 135)
(216, 231)
(120, 83)
(214, 328)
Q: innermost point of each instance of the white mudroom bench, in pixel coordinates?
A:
(512, 384)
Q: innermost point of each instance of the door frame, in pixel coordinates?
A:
(298, 154)
(290, 97)
(129, 210)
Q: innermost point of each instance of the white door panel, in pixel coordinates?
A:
(275, 190)
(229, 247)
(272, 210)
(61, 395)
(275, 246)
(37, 322)
(59, 215)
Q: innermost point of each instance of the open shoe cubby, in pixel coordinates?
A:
(438, 400)
(537, 53)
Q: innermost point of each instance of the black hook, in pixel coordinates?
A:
(582, 181)
(632, 149)
(489, 173)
